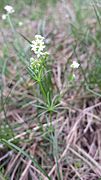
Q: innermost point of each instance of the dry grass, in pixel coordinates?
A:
(77, 125)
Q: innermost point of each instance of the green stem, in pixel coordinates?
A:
(51, 125)
(55, 145)
(42, 89)
(11, 25)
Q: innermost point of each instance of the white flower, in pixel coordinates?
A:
(9, 9)
(38, 45)
(39, 37)
(20, 23)
(1, 146)
(4, 16)
(74, 76)
(75, 65)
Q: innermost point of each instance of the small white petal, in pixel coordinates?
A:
(1, 146)
(75, 65)
(4, 16)
(74, 76)
(39, 37)
(20, 23)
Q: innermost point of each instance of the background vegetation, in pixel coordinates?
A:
(59, 138)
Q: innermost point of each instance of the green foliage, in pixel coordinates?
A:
(41, 8)
(16, 148)
(48, 100)
(5, 132)
(78, 164)
(95, 74)
(37, 15)
(41, 4)
(51, 105)
(2, 177)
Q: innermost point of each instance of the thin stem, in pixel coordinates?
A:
(11, 25)
(55, 145)
(42, 89)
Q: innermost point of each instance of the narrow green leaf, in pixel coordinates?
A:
(28, 156)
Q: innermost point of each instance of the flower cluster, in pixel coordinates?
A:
(9, 10)
(38, 46)
(34, 64)
(74, 65)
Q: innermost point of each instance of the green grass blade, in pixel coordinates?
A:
(26, 155)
